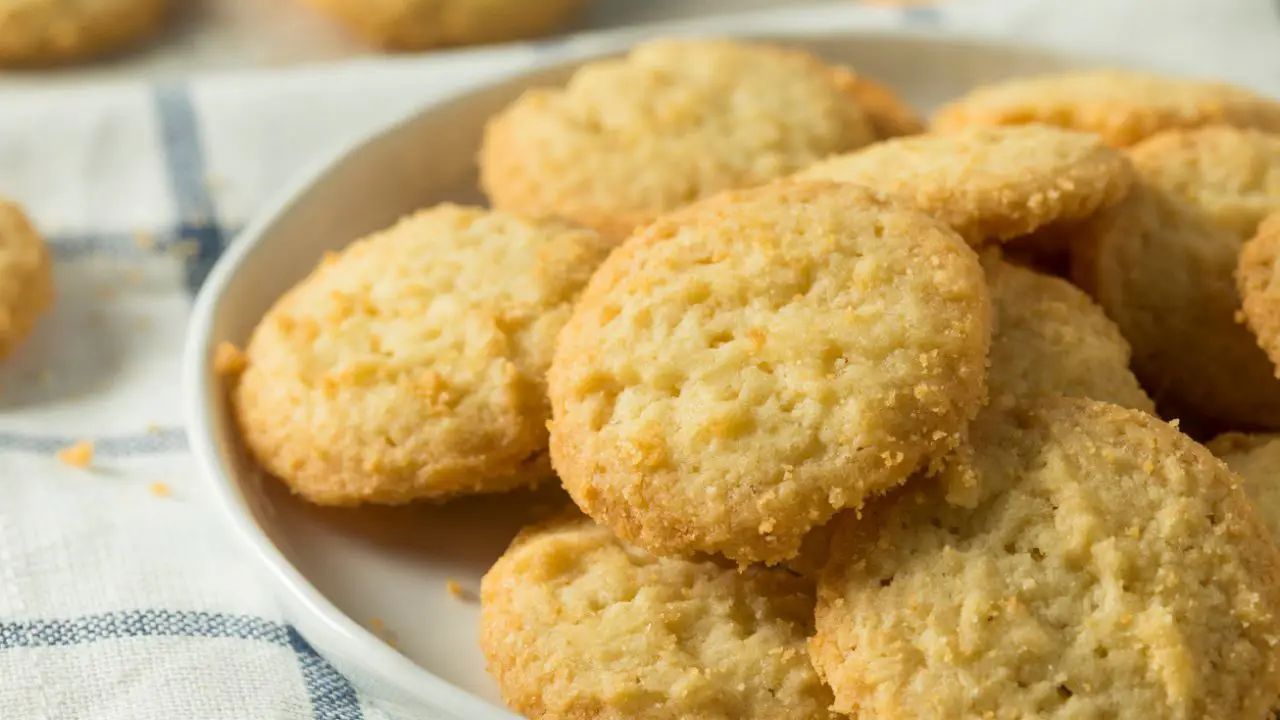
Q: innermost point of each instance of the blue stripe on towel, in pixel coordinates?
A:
(332, 696)
(188, 178)
(161, 441)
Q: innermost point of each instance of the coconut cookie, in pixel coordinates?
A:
(744, 368)
(1256, 459)
(47, 32)
(991, 183)
(412, 364)
(1123, 107)
(576, 624)
(26, 277)
(1163, 271)
(1112, 568)
(672, 122)
(1049, 338)
(1230, 173)
(1259, 284)
(408, 25)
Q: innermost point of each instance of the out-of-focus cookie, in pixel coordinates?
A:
(1049, 338)
(576, 624)
(1232, 174)
(1258, 280)
(890, 115)
(48, 32)
(672, 122)
(1256, 459)
(408, 25)
(412, 365)
(1163, 270)
(1112, 568)
(744, 368)
(990, 183)
(26, 277)
(1123, 107)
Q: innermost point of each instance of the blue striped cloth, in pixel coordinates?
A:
(117, 602)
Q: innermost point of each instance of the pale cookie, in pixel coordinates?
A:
(1256, 459)
(1123, 107)
(412, 365)
(26, 277)
(990, 183)
(1258, 280)
(742, 369)
(1163, 271)
(673, 122)
(576, 624)
(1231, 174)
(47, 32)
(1049, 338)
(1113, 568)
(890, 115)
(408, 25)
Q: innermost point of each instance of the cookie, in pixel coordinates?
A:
(674, 121)
(48, 32)
(1112, 568)
(889, 114)
(1049, 338)
(1123, 107)
(1256, 459)
(26, 277)
(742, 369)
(1162, 270)
(576, 624)
(1259, 285)
(1231, 174)
(412, 365)
(408, 25)
(990, 183)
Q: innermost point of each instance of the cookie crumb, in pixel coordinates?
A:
(144, 239)
(79, 455)
(457, 591)
(153, 429)
(184, 249)
(379, 628)
(228, 360)
(160, 489)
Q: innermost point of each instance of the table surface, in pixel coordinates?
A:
(221, 35)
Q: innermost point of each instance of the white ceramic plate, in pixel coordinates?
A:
(336, 571)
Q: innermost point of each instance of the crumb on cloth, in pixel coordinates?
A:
(457, 591)
(160, 489)
(79, 455)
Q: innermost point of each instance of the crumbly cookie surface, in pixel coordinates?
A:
(26, 277)
(577, 624)
(1111, 568)
(1049, 338)
(672, 122)
(1123, 107)
(408, 25)
(1256, 459)
(1232, 174)
(412, 365)
(1163, 271)
(1258, 281)
(990, 184)
(744, 368)
(890, 115)
(48, 32)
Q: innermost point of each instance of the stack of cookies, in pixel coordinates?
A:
(857, 419)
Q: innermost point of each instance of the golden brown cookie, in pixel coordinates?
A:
(672, 122)
(1163, 271)
(47, 32)
(1231, 174)
(890, 115)
(1111, 568)
(1256, 459)
(408, 25)
(1258, 282)
(990, 183)
(1123, 107)
(742, 369)
(26, 277)
(576, 624)
(1049, 338)
(412, 365)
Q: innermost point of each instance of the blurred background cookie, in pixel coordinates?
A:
(1256, 459)
(26, 277)
(411, 365)
(672, 122)
(424, 24)
(49, 32)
